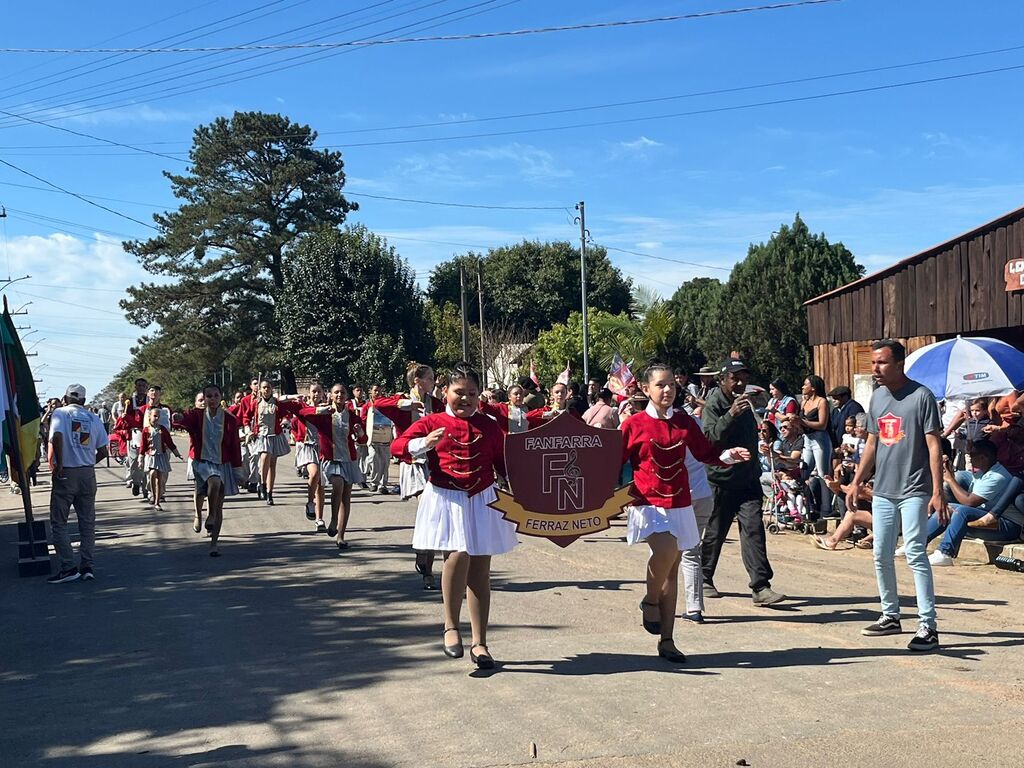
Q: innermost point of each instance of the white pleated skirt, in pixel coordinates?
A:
(454, 521)
(412, 478)
(275, 445)
(347, 470)
(647, 519)
(306, 453)
(160, 461)
(204, 470)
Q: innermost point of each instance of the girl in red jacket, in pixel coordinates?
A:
(655, 442)
(339, 430)
(404, 410)
(155, 448)
(557, 405)
(465, 450)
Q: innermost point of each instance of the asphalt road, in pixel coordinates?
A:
(283, 653)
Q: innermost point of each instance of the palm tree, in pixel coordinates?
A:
(642, 338)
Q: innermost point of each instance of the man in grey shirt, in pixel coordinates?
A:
(904, 449)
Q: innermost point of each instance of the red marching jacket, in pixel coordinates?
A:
(467, 457)
(656, 448)
(230, 447)
(285, 409)
(322, 418)
(401, 418)
(500, 413)
(165, 441)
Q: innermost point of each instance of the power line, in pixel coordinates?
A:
(250, 71)
(664, 258)
(585, 108)
(691, 113)
(460, 205)
(76, 195)
(433, 39)
(91, 197)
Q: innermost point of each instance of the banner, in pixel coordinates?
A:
(563, 476)
(22, 411)
(620, 378)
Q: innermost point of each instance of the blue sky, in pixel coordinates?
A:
(888, 172)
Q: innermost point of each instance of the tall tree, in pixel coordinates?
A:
(255, 184)
(761, 312)
(533, 285)
(695, 308)
(563, 342)
(350, 310)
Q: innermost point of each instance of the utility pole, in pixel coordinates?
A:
(583, 290)
(480, 298)
(465, 321)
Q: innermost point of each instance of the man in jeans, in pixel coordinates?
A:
(904, 449)
(729, 421)
(79, 442)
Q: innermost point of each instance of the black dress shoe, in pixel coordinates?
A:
(428, 582)
(332, 531)
(668, 651)
(653, 627)
(455, 651)
(270, 499)
(483, 660)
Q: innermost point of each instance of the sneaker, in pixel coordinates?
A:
(321, 526)
(310, 510)
(940, 558)
(696, 617)
(71, 574)
(900, 552)
(710, 591)
(925, 639)
(86, 572)
(886, 625)
(767, 596)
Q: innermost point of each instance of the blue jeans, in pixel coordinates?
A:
(957, 529)
(887, 514)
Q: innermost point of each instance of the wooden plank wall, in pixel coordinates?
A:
(955, 288)
(835, 363)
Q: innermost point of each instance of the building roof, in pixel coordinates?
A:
(918, 257)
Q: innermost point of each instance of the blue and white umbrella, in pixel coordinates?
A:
(967, 368)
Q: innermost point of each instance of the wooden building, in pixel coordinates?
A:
(972, 285)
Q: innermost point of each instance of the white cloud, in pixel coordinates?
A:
(641, 143)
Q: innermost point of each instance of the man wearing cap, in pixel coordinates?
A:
(846, 407)
(78, 442)
(729, 420)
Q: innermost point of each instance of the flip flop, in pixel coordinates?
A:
(863, 544)
(819, 542)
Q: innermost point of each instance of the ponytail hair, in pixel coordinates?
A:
(463, 371)
(654, 368)
(416, 371)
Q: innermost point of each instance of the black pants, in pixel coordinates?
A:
(731, 503)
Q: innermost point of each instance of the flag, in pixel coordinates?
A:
(20, 404)
(620, 378)
(565, 376)
(533, 374)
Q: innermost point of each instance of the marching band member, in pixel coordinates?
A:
(357, 400)
(243, 411)
(307, 456)
(155, 445)
(511, 416)
(340, 430)
(198, 499)
(403, 410)
(558, 403)
(655, 443)
(217, 454)
(380, 433)
(465, 451)
(136, 417)
(268, 439)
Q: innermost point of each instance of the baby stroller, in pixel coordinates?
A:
(117, 449)
(781, 512)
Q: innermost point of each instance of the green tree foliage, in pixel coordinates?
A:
(564, 342)
(761, 313)
(695, 310)
(444, 324)
(532, 285)
(350, 310)
(255, 185)
(640, 339)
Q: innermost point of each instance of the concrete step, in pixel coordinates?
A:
(978, 551)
